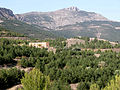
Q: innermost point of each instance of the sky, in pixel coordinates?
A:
(107, 8)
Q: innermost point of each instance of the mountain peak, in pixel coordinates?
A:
(6, 13)
(72, 8)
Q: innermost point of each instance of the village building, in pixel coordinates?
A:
(113, 43)
(73, 41)
(39, 44)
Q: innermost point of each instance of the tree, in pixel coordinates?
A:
(114, 84)
(35, 80)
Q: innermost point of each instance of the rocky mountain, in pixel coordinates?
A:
(66, 16)
(71, 22)
(6, 14)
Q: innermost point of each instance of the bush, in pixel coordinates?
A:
(35, 80)
(114, 84)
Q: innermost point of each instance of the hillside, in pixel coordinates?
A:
(29, 30)
(9, 21)
(8, 33)
(85, 62)
(101, 29)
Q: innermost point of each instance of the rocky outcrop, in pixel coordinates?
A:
(6, 14)
(66, 16)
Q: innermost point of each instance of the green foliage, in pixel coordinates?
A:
(8, 33)
(57, 43)
(114, 84)
(95, 44)
(94, 87)
(9, 49)
(26, 29)
(66, 65)
(59, 85)
(83, 86)
(10, 77)
(28, 62)
(107, 32)
(35, 80)
(40, 65)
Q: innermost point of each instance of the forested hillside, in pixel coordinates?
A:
(108, 30)
(26, 29)
(9, 21)
(7, 33)
(87, 68)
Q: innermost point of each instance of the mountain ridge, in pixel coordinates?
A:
(60, 17)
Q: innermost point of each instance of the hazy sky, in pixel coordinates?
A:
(108, 8)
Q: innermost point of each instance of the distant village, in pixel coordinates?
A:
(69, 43)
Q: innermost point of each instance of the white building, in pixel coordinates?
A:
(39, 44)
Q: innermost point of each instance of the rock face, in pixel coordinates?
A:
(6, 14)
(66, 16)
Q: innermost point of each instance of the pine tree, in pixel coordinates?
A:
(35, 80)
(114, 84)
